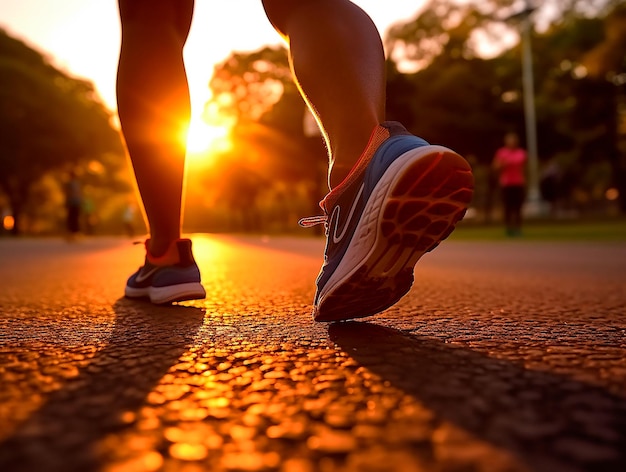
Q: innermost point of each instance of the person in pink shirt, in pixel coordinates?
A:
(510, 163)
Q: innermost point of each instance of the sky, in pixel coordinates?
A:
(82, 37)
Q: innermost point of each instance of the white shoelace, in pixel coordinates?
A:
(313, 221)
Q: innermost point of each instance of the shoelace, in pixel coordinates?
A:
(313, 221)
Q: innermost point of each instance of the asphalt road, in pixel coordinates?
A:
(503, 357)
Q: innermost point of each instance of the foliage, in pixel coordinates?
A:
(246, 85)
(458, 28)
(468, 102)
(270, 149)
(49, 122)
(442, 87)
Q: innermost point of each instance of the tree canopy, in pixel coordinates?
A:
(49, 122)
(467, 102)
(443, 87)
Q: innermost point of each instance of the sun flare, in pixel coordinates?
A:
(204, 138)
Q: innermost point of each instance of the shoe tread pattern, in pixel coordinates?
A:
(419, 209)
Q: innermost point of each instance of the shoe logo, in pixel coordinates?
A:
(142, 276)
(336, 213)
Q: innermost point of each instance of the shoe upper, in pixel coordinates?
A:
(177, 266)
(344, 206)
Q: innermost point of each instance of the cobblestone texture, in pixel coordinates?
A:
(504, 357)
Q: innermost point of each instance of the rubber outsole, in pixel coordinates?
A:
(414, 207)
(169, 294)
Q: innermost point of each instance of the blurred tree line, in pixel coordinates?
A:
(442, 87)
(274, 173)
(442, 84)
(468, 103)
(52, 125)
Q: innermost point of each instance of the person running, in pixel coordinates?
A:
(73, 205)
(510, 162)
(392, 198)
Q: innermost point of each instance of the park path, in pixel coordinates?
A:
(504, 357)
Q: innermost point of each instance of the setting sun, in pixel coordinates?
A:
(203, 138)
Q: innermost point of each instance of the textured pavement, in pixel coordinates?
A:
(503, 357)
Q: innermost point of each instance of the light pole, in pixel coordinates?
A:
(529, 113)
(528, 90)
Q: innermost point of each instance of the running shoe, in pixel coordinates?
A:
(172, 277)
(402, 198)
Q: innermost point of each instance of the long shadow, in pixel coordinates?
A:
(63, 434)
(548, 421)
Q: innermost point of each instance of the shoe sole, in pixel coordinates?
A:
(414, 207)
(168, 294)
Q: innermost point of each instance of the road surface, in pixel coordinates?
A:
(504, 357)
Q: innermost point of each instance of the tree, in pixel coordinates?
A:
(246, 85)
(457, 28)
(257, 91)
(466, 101)
(605, 65)
(49, 121)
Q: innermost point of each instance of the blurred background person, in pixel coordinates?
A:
(510, 164)
(549, 185)
(73, 205)
(89, 215)
(128, 218)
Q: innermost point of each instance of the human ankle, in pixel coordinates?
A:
(342, 164)
(158, 247)
(338, 174)
(349, 158)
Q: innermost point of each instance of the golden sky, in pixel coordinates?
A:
(83, 36)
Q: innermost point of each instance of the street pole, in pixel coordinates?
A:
(533, 201)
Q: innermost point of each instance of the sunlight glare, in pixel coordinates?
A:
(203, 137)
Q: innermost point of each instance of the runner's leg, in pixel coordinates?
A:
(339, 64)
(154, 108)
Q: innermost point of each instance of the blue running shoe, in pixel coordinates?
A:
(402, 198)
(173, 277)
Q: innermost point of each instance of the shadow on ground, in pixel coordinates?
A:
(549, 422)
(62, 435)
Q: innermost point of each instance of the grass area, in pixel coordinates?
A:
(597, 231)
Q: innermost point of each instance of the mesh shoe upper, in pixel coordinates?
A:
(345, 204)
